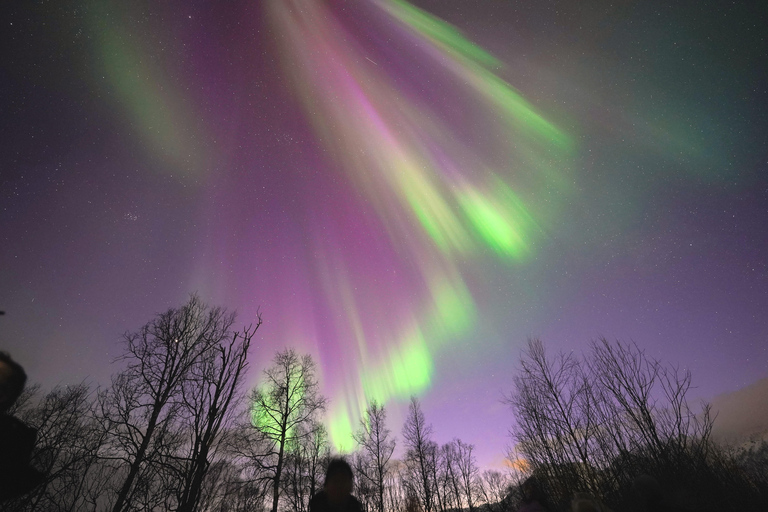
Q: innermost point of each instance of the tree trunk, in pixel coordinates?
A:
(125, 489)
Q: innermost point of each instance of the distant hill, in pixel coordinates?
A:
(741, 414)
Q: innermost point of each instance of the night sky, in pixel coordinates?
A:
(405, 191)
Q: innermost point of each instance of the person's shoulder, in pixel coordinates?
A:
(319, 495)
(15, 432)
(8, 422)
(318, 501)
(533, 506)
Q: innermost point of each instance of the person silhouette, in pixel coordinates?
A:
(533, 496)
(12, 381)
(17, 440)
(336, 495)
(585, 502)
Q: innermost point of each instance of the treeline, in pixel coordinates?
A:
(616, 424)
(176, 430)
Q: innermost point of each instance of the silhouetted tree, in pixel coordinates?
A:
(419, 456)
(467, 471)
(495, 489)
(434, 463)
(651, 401)
(556, 420)
(377, 447)
(283, 410)
(208, 395)
(395, 489)
(304, 465)
(146, 403)
(450, 476)
(597, 421)
(250, 452)
(318, 454)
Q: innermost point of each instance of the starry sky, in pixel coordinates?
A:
(406, 191)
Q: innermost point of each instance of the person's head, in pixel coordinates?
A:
(584, 502)
(338, 480)
(12, 380)
(531, 490)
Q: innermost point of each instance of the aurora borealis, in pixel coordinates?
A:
(406, 191)
(435, 197)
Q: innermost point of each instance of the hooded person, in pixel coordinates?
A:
(336, 495)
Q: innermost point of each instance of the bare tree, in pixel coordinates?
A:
(419, 456)
(207, 397)
(554, 429)
(649, 399)
(145, 401)
(364, 489)
(284, 408)
(435, 463)
(396, 494)
(377, 446)
(451, 475)
(467, 471)
(248, 450)
(494, 488)
(318, 455)
(303, 465)
(596, 421)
